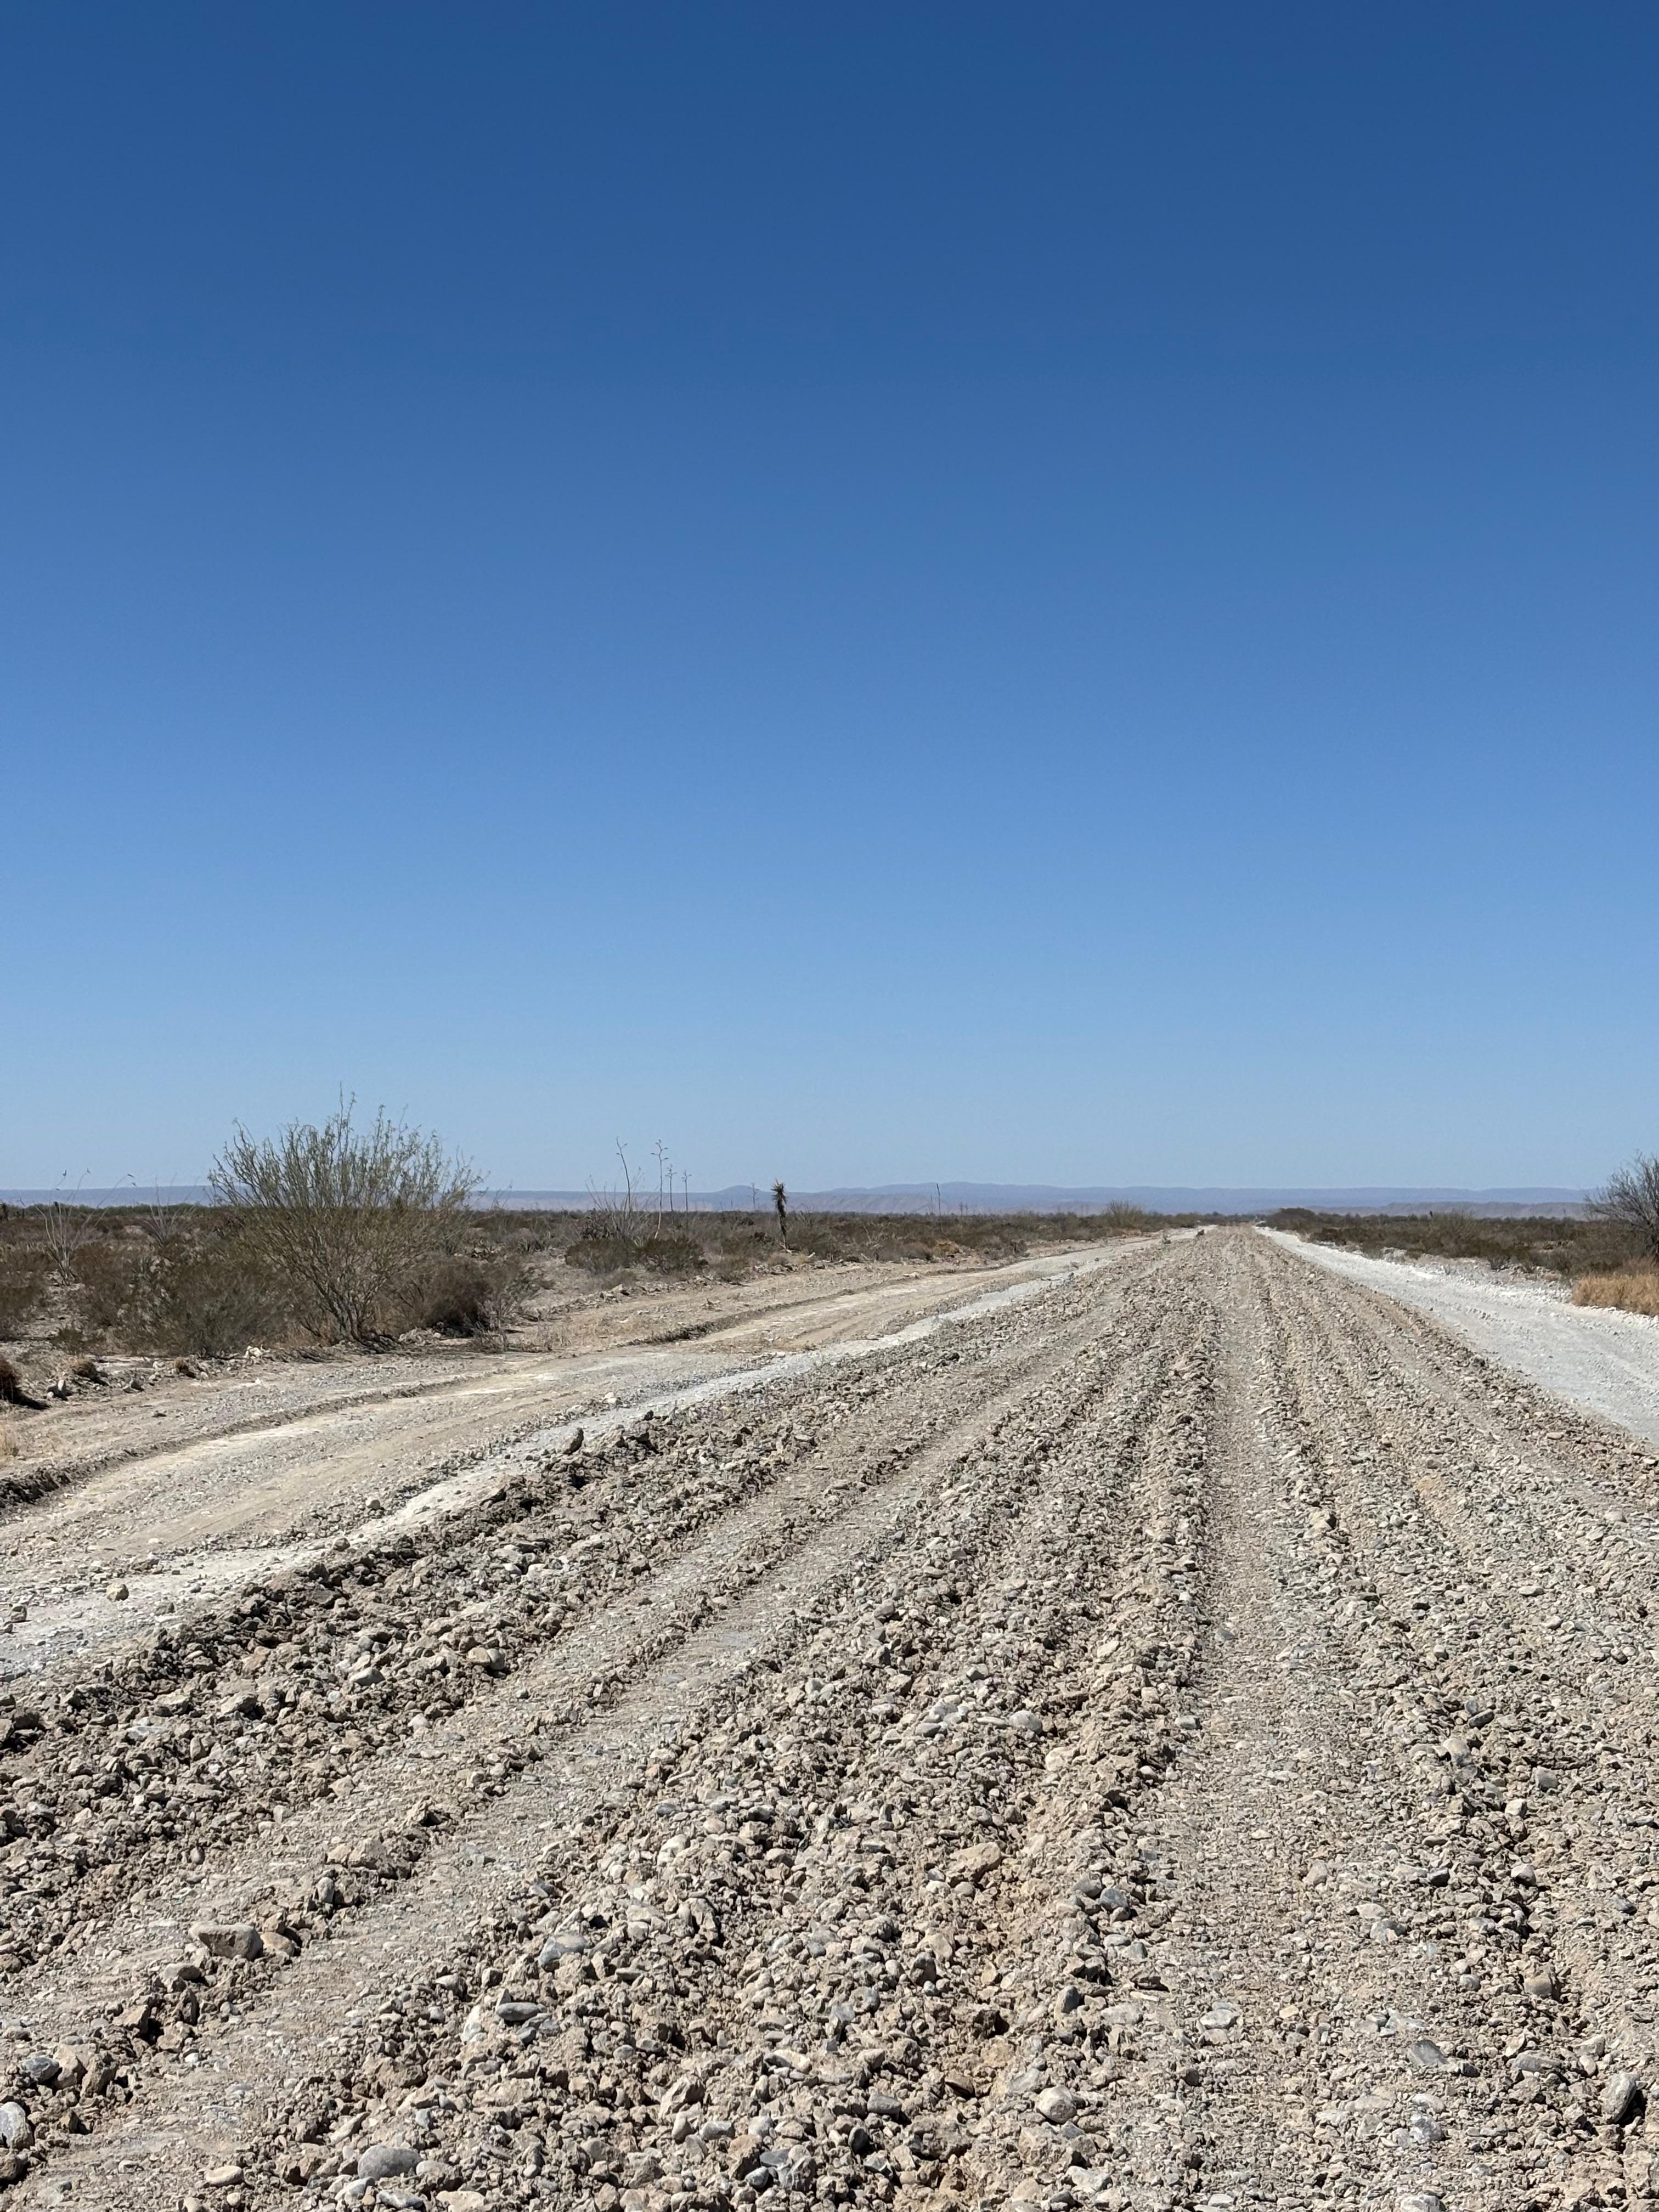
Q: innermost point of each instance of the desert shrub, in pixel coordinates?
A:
(672, 1253)
(1630, 1197)
(1572, 1246)
(1636, 1290)
(107, 1273)
(602, 1253)
(475, 1294)
(347, 1222)
(1122, 1220)
(456, 1300)
(64, 1227)
(205, 1290)
(12, 1392)
(22, 1284)
(741, 1241)
(523, 1232)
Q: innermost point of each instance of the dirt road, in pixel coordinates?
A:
(255, 1467)
(1182, 1739)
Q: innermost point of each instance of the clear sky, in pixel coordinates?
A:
(888, 591)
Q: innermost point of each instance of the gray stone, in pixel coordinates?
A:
(561, 1946)
(16, 2132)
(974, 1863)
(1057, 2105)
(382, 2162)
(1621, 2096)
(238, 1938)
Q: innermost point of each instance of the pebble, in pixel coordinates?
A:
(16, 2133)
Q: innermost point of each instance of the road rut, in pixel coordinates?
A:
(1184, 1740)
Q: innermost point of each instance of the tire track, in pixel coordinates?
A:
(701, 1589)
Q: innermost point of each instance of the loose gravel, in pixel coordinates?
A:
(1182, 1740)
(1592, 1356)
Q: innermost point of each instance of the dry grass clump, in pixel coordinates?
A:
(1632, 1290)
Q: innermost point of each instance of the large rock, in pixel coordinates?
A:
(227, 1939)
(381, 2162)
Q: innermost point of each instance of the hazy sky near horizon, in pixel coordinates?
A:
(1039, 594)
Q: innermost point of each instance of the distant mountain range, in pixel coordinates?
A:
(975, 1198)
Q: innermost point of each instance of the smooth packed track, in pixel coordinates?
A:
(1184, 1740)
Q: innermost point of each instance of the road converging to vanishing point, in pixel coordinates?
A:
(1180, 1738)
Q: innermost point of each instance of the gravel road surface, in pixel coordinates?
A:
(254, 1467)
(1605, 1360)
(1181, 1739)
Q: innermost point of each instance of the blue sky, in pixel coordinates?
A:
(1054, 594)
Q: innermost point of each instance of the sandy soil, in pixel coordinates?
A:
(1179, 1736)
